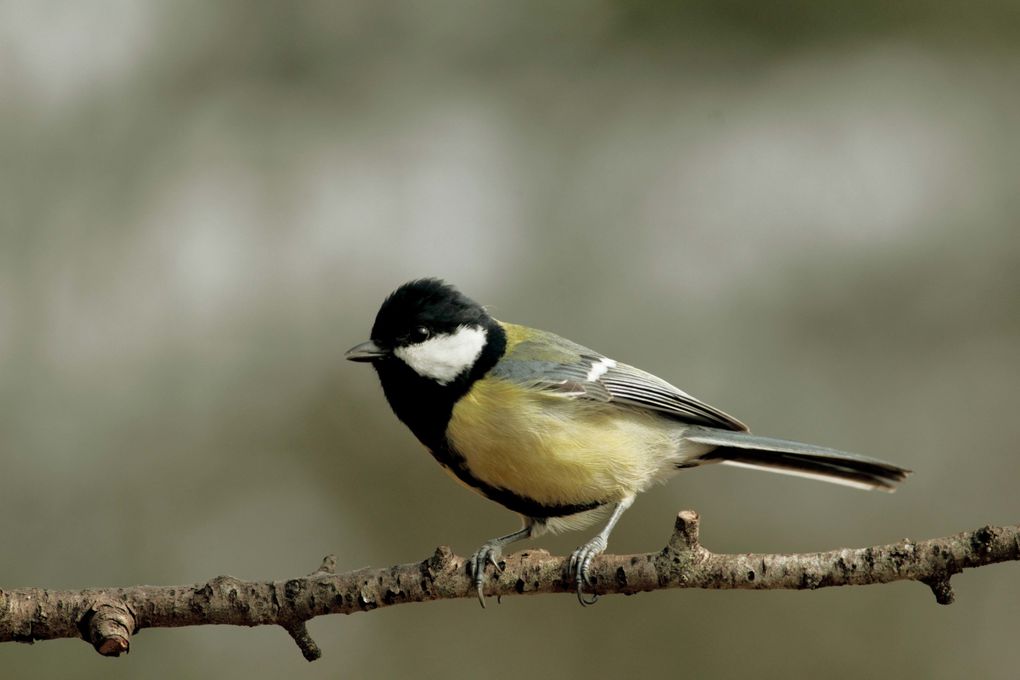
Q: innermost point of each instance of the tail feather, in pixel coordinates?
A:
(743, 449)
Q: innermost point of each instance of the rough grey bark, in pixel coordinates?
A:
(108, 617)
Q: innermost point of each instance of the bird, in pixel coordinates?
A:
(556, 432)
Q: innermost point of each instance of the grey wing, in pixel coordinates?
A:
(629, 385)
(585, 374)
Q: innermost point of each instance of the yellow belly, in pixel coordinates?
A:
(557, 450)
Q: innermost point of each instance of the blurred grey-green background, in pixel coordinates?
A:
(804, 213)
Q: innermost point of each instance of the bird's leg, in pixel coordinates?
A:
(490, 552)
(580, 559)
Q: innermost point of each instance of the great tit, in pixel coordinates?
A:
(554, 431)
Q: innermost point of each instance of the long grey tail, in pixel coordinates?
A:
(794, 458)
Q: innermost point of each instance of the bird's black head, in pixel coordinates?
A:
(424, 309)
(429, 343)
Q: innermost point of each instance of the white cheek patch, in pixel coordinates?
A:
(443, 357)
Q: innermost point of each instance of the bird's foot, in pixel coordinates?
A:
(489, 553)
(580, 565)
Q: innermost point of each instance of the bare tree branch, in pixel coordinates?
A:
(108, 617)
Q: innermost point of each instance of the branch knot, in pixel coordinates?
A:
(108, 625)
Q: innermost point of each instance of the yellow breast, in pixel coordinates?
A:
(556, 450)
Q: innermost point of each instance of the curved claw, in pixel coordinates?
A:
(490, 553)
(580, 566)
(486, 555)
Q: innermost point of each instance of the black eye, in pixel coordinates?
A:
(420, 334)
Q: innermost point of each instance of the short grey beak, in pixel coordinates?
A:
(366, 351)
